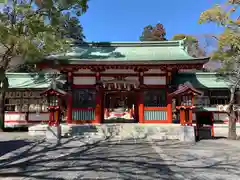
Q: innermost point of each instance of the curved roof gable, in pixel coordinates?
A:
(201, 80)
(154, 51)
(29, 80)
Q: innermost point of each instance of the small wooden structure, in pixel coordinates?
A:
(55, 96)
(185, 101)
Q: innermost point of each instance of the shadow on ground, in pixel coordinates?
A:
(103, 159)
(12, 145)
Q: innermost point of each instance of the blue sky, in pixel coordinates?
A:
(124, 20)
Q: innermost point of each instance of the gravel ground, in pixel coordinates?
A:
(25, 158)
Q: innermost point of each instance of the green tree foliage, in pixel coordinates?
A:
(68, 20)
(27, 33)
(184, 36)
(192, 43)
(227, 50)
(153, 33)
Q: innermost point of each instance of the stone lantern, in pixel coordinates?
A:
(54, 96)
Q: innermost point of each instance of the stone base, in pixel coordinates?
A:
(157, 132)
(187, 134)
(37, 130)
(121, 130)
(53, 133)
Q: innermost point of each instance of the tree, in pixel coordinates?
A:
(69, 20)
(27, 33)
(72, 29)
(192, 44)
(227, 51)
(153, 33)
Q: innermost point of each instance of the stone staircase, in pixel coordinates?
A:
(128, 130)
(119, 131)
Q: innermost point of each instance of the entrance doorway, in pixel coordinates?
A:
(120, 107)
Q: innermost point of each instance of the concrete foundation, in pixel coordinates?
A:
(40, 130)
(37, 130)
(187, 134)
(124, 131)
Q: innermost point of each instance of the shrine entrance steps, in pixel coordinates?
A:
(119, 131)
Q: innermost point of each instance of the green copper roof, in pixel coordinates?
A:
(154, 51)
(28, 80)
(43, 81)
(201, 79)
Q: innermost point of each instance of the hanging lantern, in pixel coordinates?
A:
(38, 109)
(54, 98)
(128, 88)
(44, 108)
(119, 87)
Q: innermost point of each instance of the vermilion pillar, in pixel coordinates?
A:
(141, 100)
(169, 109)
(212, 118)
(69, 97)
(169, 98)
(98, 109)
(141, 107)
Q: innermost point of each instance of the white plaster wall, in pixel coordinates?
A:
(15, 117)
(118, 71)
(153, 71)
(220, 116)
(106, 78)
(155, 80)
(187, 70)
(84, 80)
(38, 117)
(194, 116)
(132, 78)
(84, 71)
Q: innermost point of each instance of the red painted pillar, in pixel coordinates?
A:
(69, 98)
(141, 107)
(141, 100)
(51, 118)
(190, 117)
(169, 99)
(169, 109)
(98, 108)
(182, 116)
(212, 118)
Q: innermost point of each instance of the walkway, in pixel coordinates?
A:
(32, 159)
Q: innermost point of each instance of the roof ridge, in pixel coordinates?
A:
(177, 43)
(199, 73)
(26, 73)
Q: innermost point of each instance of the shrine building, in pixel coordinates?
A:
(137, 82)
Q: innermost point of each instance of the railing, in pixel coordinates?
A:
(83, 114)
(155, 114)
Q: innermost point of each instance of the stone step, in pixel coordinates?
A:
(121, 131)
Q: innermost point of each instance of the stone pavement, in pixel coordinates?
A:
(205, 160)
(24, 158)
